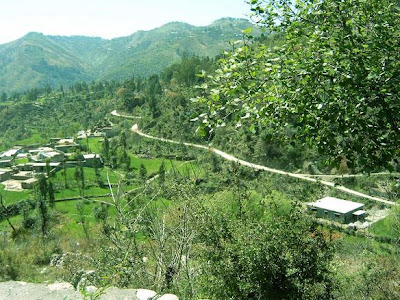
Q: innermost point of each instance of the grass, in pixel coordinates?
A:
(35, 138)
(15, 221)
(383, 227)
(10, 197)
(70, 218)
(89, 173)
(21, 161)
(6, 103)
(74, 192)
(95, 144)
(153, 165)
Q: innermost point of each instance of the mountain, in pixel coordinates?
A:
(36, 59)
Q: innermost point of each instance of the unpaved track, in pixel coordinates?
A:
(116, 114)
(230, 157)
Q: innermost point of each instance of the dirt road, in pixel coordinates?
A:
(227, 156)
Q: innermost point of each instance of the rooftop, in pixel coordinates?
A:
(41, 149)
(90, 156)
(336, 205)
(6, 159)
(3, 171)
(65, 141)
(31, 180)
(49, 153)
(44, 164)
(10, 152)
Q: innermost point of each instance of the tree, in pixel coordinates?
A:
(43, 189)
(64, 172)
(106, 149)
(125, 160)
(278, 255)
(333, 77)
(52, 199)
(3, 97)
(44, 215)
(48, 168)
(80, 207)
(4, 213)
(143, 173)
(161, 173)
(80, 179)
(122, 140)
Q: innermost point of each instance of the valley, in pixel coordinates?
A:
(229, 161)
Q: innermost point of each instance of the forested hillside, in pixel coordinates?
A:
(37, 60)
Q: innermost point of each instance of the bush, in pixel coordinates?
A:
(283, 256)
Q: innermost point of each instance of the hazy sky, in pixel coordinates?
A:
(107, 18)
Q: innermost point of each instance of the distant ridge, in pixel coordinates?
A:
(36, 59)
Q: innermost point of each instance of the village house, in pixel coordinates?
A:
(92, 160)
(110, 131)
(52, 156)
(43, 154)
(6, 162)
(35, 151)
(8, 157)
(38, 167)
(5, 174)
(23, 175)
(29, 183)
(64, 145)
(338, 210)
(12, 153)
(67, 147)
(83, 135)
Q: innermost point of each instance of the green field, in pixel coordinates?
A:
(10, 197)
(95, 144)
(383, 228)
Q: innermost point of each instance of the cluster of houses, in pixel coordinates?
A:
(100, 131)
(20, 165)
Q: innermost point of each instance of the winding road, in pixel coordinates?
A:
(229, 157)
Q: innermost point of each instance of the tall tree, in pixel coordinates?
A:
(143, 173)
(52, 198)
(3, 97)
(106, 149)
(334, 78)
(161, 173)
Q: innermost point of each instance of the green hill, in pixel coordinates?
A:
(36, 60)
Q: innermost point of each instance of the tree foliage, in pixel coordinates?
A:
(334, 77)
(278, 254)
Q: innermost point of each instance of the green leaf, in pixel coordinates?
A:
(247, 31)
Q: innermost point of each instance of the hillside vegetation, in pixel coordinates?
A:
(37, 60)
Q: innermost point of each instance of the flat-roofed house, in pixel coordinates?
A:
(110, 131)
(5, 174)
(338, 210)
(7, 157)
(92, 160)
(66, 145)
(29, 183)
(41, 167)
(6, 162)
(11, 153)
(53, 156)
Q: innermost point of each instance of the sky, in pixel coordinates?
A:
(108, 18)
